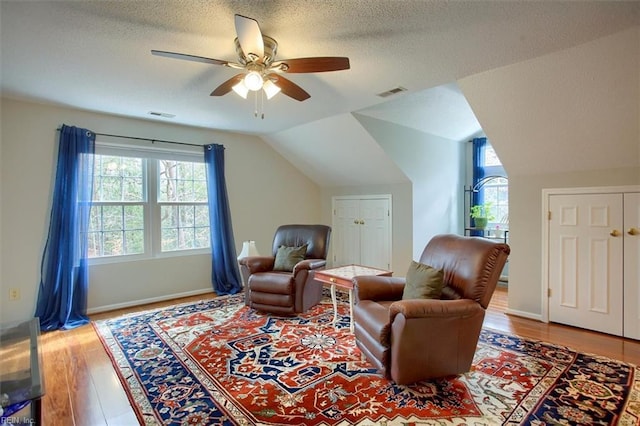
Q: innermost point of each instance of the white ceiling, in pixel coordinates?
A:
(339, 151)
(96, 55)
(442, 111)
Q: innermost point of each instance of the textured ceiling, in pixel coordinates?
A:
(95, 55)
(431, 111)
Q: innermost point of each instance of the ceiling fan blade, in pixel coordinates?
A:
(227, 86)
(249, 36)
(189, 57)
(289, 88)
(319, 64)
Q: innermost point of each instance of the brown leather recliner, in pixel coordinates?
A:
(418, 339)
(287, 292)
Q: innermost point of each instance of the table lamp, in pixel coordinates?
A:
(248, 249)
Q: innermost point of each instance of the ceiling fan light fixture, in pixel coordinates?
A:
(253, 81)
(257, 61)
(270, 89)
(241, 90)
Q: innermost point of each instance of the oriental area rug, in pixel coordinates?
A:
(217, 362)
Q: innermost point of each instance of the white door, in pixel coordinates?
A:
(632, 265)
(345, 236)
(585, 261)
(375, 244)
(362, 231)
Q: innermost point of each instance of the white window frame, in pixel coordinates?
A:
(496, 171)
(156, 209)
(152, 208)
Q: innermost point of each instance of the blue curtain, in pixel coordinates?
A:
(479, 145)
(62, 296)
(225, 276)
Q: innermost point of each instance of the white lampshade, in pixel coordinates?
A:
(270, 89)
(248, 249)
(241, 89)
(253, 81)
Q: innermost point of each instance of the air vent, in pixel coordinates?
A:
(392, 92)
(161, 114)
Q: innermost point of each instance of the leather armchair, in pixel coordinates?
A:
(418, 339)
(287, 292)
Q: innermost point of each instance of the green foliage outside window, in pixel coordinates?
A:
(184, 226)
(117, 220)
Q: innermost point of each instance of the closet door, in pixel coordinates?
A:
(632, 265)
(362, 231)
(585, 261)
(345, 236)
(375, 244)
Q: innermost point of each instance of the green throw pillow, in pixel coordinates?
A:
(423, 282)
(287, 257)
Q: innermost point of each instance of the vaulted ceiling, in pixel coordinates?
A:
(96, 55)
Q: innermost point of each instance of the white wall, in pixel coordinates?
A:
(3, 292)
(264, 191)
(566, 119)
(525, 224)
(436, 168)
(336, 151)
(572, 110)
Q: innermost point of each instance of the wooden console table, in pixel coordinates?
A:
(343, 277)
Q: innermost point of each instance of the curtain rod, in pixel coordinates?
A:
(144, 139)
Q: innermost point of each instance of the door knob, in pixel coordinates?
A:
(356, 222)
(362, 222)
(633, 231)
(614, 233)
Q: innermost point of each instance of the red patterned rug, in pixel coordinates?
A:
(216, 362)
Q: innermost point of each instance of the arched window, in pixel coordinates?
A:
(496, 191)
(490, 184)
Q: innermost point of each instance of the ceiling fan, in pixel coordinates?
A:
(256, 57)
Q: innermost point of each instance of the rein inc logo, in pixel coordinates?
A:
(17, 421)
(14, 419)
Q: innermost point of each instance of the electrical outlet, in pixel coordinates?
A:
(14, 293)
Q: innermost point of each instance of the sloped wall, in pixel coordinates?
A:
(336, 151)
(435, 166)
(566, 119)
(343, 158)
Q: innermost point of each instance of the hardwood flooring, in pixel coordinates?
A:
(582, 340)
(84, 390)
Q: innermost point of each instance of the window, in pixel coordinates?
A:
(496, 194)
(146, 204)
(183, 205)
(493, 191)
(116, 224)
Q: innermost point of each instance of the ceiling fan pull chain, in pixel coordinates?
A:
(255, 105)
(262, 103)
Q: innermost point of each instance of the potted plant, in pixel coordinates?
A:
(481, 214)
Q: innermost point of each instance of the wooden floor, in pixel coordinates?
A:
(83, 389)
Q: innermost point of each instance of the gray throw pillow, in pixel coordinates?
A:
(423, 282)
(287, 257)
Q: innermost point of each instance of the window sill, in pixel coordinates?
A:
(143, 257)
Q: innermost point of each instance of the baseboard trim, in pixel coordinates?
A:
(524, 314)
(131, 303)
